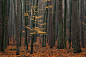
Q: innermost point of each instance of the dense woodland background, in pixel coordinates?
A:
(32, 25)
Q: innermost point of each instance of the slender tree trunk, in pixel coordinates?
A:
(3, 18)
(29, 21)
(21, 26)
(65, 11)
(17, 27)
(51, 24)
(57, 19)
(85, 23)
(0, 24)
(13, 25)
(8, 9)
(11, 19)
(45, 25)
(54, 21)
(60, 26)
(75, 26)
(33, 25)
(5, 27)
(27, 9)
(35, 14)
(82, 22)
(70, 12)
(15, 18)
(26, 18)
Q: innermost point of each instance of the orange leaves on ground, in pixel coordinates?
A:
(39, 51)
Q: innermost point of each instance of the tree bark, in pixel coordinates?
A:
(65, 12)
(85, 23)
(3, 18)
(75, 27)
(51, 24)
(60, 26)
(0, 25)
(17, 27)
(82, 22)
(70, 14)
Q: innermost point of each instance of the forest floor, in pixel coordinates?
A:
(39, 51)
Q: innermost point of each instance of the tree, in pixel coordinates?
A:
(36, 13)
(29, 20)
(82, 22)
(70, 14)
(17, 27)
(27, 9)
(11, 20)
(8, 9)
(45, 26)
(5, 24)
(0, 25)
(3, 21)
(32, 36)
(13, 24)
(51, 23)
(75, 27)
(26, 23)
(54, 20)
(57, 19)
(60, 26)
(33, 25)
(21, 25)
(65, 11)
(85, 22)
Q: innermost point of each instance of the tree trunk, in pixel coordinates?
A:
(85, 23)
(5, 27)
(65, 12)
(21, 25)
(70, 12)
(82, 22)
(33, 25)
(75, 27)
(26, 22)
(51, 24)
(54, 21)
(3, 18)
(0, 25)
(29, 21)
(45, 26)
(17, 27)
(60, 26)
(8, 9)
